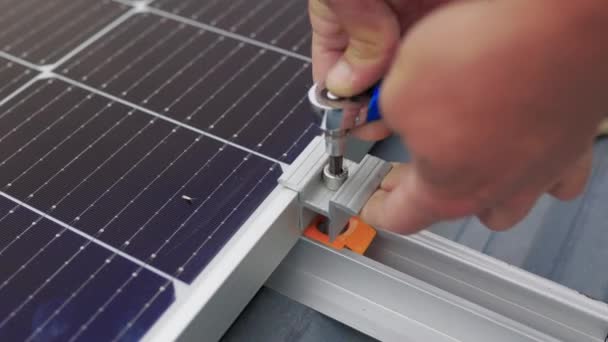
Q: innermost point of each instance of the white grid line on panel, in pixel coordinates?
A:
(303, 40)
(15, 93)
(38, 329)
(141, 35)
(164, 118)
(185, 67)
(204, 76)
(68, 24)
(101, 309)
(268, 103)
(159, 65)
(142, 191)
(133, 167)
(55, 273)
(116, 23)
(182, 268)
(172, 198)
(15, 80)
(235, 209)
(178, 271)
(288, 28)
(250, 15)
(229, 34)
(54, 148)
(90, 238)
(104, 163)
(89, 52)
(273, 17)
(22, 5)
(22, 61)
(144, 54)
(50, 126)
(54, 206)
(109, 27)
(65, 45)
(103, 109)
(130, 324)
(200, 206)
(198, 13)
(226, 83)
(34, 114)
(33, 14)
(243, 96)
(226, 12)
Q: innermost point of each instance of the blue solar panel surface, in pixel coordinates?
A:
(45, 31)
(13, 76)
(120, 175)
(205, 80)
(135, 140)
(281, 23)
(58, 286)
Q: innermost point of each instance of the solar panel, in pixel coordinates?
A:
(57, 285)
(281, 23)
(120, 175)
(134, 144)
(13, 76)
(44, 31)
(205, 80)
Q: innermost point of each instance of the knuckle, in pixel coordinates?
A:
(370, 46)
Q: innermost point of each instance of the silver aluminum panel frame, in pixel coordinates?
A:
(205, 310)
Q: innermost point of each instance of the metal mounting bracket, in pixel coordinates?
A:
(304, 176)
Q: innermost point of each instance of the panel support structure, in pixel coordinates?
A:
(426, 288)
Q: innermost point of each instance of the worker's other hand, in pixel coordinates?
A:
(498, 103)
(355, 41)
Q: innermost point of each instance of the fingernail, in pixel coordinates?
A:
(340, 77)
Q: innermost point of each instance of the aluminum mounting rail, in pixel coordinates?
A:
(427, 288)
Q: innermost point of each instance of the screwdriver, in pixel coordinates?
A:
(336, 117)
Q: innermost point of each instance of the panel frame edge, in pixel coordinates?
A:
(205, 310)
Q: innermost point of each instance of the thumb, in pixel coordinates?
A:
(406, 204)
(373, 35)
(397, 205)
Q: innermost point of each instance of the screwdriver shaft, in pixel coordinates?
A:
(335, 165)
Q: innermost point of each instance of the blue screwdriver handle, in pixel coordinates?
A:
(373, 108)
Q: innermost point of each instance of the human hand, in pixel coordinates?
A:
(498, 102)
(354, 43)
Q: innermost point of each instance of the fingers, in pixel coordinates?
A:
(399, 210)
(391, 180)
(354, 42)
(506, 215)
(404, 204)
(329, 40)
(575, 179)
(372, 132)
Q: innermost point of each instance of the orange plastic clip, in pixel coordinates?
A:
(357, 237)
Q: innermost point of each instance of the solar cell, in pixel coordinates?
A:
(231, 89)
(56, 285)
(160, 192)
(284, 24)
(13, 76)
(44, 31)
